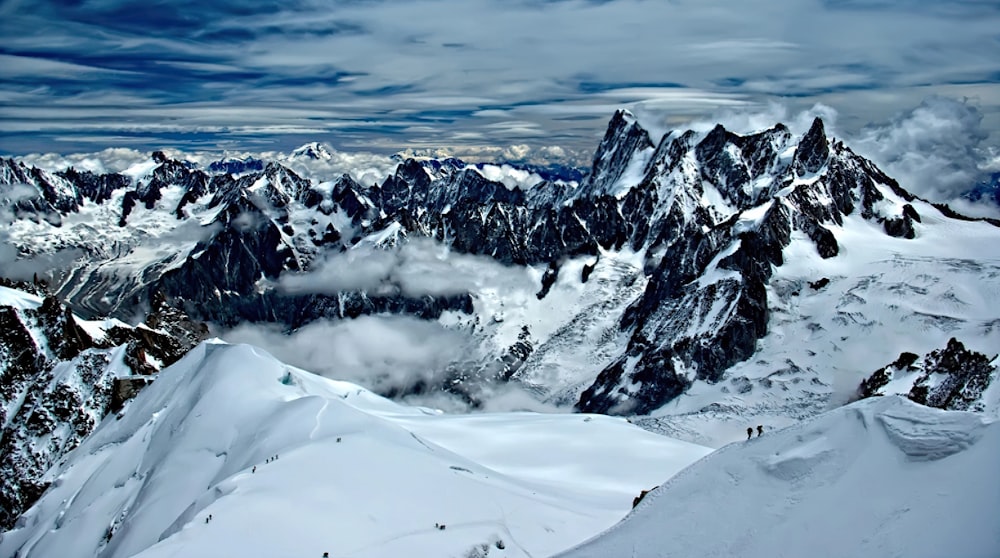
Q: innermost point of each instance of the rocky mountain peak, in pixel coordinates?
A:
(710, 216)
(813, 150)
(624, 141)
(312, 150)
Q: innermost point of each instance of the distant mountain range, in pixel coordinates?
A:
(702, 283)
(767, 262)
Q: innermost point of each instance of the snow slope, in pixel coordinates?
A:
(354, 475)
(881, 477)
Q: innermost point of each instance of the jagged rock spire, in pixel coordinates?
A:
(813, 150)
(622, 141)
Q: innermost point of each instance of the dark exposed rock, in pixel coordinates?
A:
(32, 193)
(622, 140)
(819, 283)
(548, 279)
(641, 496)
(125, 389)
(94, 187)
(878, 380)
(813, 151)
(953, 378)
(55, 389)
(901, 227)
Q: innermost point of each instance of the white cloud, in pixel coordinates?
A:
(385, 353)
(415, 268)
(405, 357)
(509, 176)
(518, 153)
(112, 159)
(742, 121)
(935, 150)
(423, 73)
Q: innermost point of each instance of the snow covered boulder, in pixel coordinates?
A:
(880, 477)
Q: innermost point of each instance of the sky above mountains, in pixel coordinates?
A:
(540, 75)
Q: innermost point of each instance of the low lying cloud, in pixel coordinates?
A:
(509, 176)
(12, 194)
(936, 150)
(383, 353)
(410, 359)
(367, 168)
(742, 120)
(48, 267)
(418, 267)
(517, 153)
(114, 159)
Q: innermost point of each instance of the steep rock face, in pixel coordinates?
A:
(57, 381)
(953, 378)
(35, 194)
(813, 150)
(97, 188)
(705, 305)
(624, 141)
(710, 213)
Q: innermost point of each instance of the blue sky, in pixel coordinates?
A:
(383, 75)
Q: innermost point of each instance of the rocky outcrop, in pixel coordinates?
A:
(953, 378)
(57, 382)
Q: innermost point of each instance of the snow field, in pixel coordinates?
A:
(881, 477)
(355, 475)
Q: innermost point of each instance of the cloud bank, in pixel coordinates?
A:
(936, 150)
(385, 75)
(399, 356)
(415, 268)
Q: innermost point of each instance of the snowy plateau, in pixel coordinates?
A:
(386, 346)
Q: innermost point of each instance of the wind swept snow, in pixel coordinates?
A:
(291, 464)
(881, 477)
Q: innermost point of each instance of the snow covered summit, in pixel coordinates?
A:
(232, 453)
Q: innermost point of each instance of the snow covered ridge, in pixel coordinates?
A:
(881, 477)
(60, 375)
(702, 246)
(232, 453)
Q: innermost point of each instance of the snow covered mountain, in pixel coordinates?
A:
(232, 453)
(881, 477)
(61, 375)
(757, 276)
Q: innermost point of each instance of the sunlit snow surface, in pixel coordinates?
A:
(355, 474)
(881, 477)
